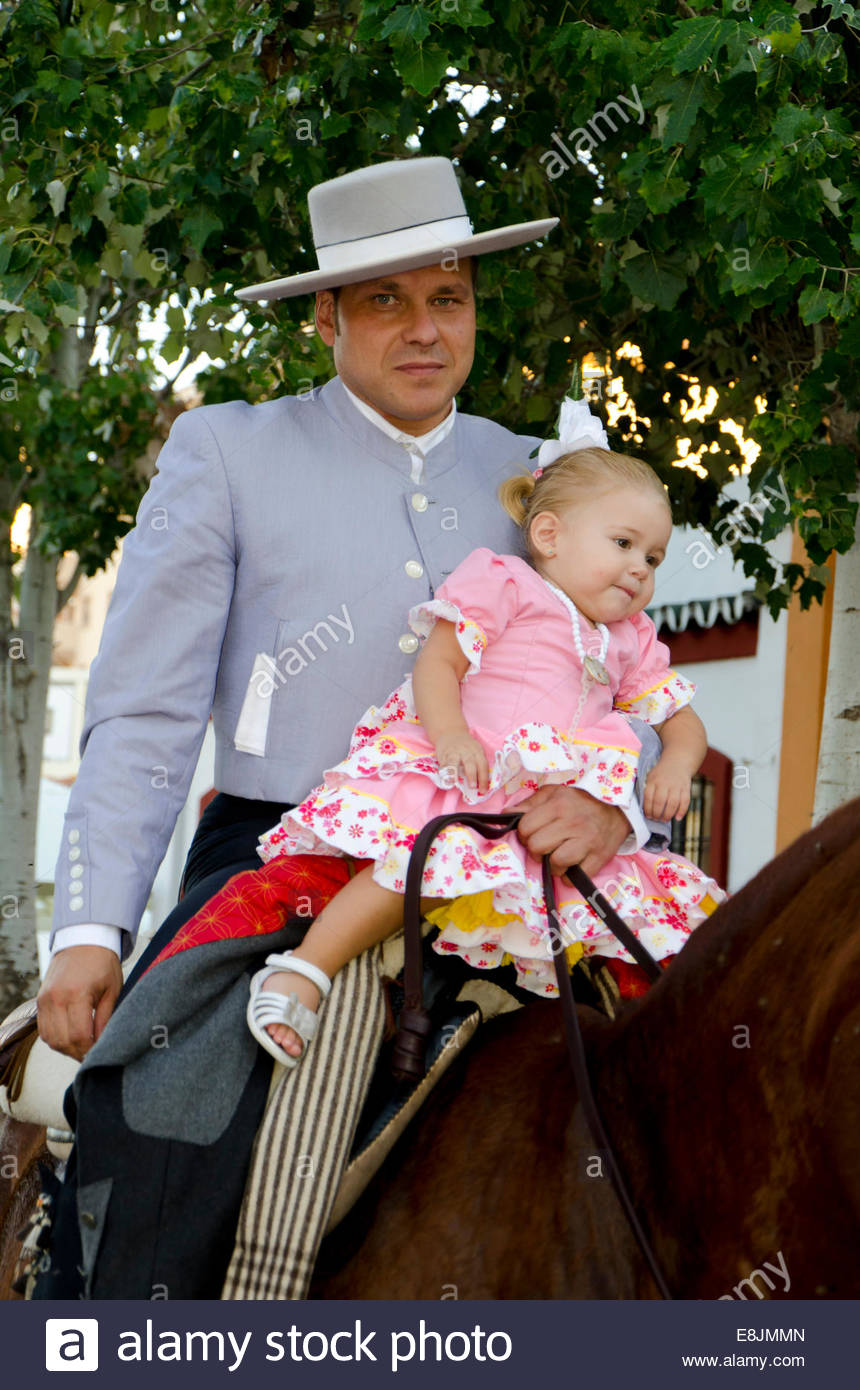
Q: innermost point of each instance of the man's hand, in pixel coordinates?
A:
(79, 980)
(572, 827)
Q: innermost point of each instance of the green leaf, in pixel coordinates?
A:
(653, 282)
(756, 267)
(686, 98)
(97, 176)
(725, 189)
(102, 207)
(129, 238)
(662, 193)
(466, 14)
(785, 40)
(157, 119)
(816, 304)
(791, 122)
(199, 226)
(337, 123)
(407, 22)
(422, 68)
(56, 191)
(144, 265)
(111, 262)
(696, 40)
(830, 194)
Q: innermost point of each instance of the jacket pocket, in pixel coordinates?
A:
(252, 726)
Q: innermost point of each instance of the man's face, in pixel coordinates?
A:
(403, 343)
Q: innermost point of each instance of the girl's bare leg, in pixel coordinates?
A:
(361, 914)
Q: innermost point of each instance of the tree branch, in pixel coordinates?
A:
(64, 594)
(195, 72)
(167, 388)
(198, 43)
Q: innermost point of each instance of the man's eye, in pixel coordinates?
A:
(383, 295)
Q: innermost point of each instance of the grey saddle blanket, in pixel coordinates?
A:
(181, 1037)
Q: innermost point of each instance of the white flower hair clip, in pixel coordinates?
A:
(577, 428)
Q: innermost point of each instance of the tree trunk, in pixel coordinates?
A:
(839, 753)
(23, 702)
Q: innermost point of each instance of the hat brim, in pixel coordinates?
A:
(479, 245)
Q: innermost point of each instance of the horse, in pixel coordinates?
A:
(731, 1094)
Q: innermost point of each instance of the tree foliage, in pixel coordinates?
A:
(154, 156)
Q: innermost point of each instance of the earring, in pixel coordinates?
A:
(550, 552)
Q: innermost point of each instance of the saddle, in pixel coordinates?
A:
(34, 1078)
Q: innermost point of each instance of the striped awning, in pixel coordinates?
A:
(705, 612)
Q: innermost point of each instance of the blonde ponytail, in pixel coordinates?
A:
(515, 495)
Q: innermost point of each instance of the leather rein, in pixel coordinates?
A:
(415, 1025)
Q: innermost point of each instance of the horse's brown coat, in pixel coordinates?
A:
(735, 1154)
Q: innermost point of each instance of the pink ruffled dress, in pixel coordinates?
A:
(520, 697)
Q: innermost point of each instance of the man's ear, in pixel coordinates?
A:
(324, 316)
(544, 530)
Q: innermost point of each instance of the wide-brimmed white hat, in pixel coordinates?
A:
(396, 216)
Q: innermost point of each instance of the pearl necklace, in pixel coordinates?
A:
(593, 665)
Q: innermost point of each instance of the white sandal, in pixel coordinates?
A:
(267, 1006)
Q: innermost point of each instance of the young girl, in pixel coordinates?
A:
(520, 682)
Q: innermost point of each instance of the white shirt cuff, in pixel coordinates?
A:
(88, 934)
(639, 832)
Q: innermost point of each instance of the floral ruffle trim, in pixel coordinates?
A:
(475, 930)
(530, 756)
(471, 638)
(660, 701)
(398, 708)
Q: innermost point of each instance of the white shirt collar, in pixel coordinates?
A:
(418, 446)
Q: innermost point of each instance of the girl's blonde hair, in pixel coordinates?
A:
(571, 479)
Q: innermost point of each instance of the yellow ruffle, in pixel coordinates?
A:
(470, 912)
(475, 910)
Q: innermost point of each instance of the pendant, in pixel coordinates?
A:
(596, 670)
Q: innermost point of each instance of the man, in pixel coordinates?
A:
(268, 579)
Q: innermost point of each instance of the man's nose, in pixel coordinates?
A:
(421, 326)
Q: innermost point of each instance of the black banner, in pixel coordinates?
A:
(425, 1344)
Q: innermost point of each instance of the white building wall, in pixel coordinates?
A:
(740, 703)
(739, 700)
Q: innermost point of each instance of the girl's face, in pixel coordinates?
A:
(606, 550)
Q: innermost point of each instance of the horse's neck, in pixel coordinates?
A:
(715, 1086)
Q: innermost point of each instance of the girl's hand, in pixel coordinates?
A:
(667, 790)
(465, 755)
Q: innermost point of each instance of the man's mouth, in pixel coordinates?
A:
(419, 369)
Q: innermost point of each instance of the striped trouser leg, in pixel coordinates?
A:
(304, 1141)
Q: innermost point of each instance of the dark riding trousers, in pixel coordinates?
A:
(169, 1229)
